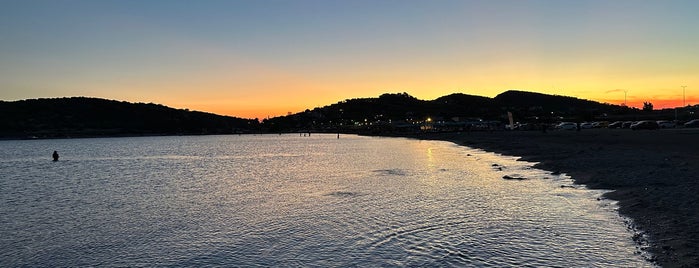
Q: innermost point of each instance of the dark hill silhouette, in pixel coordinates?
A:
(81, 117)
(463, 105)
(555, 103)
(386, 105)
(401, 107)
(545, 105)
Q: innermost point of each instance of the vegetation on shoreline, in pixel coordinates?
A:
(404, 113)
(93, 117)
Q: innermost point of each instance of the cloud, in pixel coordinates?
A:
(614, 90)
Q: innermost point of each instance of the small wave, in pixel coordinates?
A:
(343, 194)
(389, 172)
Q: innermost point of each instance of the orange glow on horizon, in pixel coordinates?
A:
(242, 59)
(657, 103)
(261, 111)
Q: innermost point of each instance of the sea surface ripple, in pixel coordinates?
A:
(288, 200)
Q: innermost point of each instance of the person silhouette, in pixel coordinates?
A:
(55, 155)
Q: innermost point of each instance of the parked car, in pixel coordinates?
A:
(567, 126)
(626, 124)
(600, 124)
(666, 124)
(693, 123)
(616, 124)
(645, 124)
(586, 125)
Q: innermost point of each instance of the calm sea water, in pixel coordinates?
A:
(294, 201)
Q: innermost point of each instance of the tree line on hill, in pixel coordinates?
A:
(401, 107)
(89, 117)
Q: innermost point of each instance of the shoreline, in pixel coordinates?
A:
(652, 175)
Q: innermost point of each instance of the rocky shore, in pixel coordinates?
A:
(654, 176)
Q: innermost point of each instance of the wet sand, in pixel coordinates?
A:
(654, 175)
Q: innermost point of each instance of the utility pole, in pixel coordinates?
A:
(684, 104)
(625, 90)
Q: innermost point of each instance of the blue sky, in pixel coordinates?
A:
(262, 58)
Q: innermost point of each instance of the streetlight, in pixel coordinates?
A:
(683, 96)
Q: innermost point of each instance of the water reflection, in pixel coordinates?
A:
(284, 200)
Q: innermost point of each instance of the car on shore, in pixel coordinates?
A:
(600, 124)
(567, 126)
(692, 124)
(666, 124)
(616, 124)
(645, 124)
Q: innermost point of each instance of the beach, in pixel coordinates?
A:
(653, 174)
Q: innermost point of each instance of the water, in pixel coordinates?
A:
(294, 201)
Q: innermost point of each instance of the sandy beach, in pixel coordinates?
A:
(653, 175)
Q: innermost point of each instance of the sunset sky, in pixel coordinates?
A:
(261, 58)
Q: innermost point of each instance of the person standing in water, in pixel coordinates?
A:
(55, 155)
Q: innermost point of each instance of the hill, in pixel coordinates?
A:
(538, 104)
(401, 107)
(86, 117)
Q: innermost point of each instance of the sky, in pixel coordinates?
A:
(266, 58)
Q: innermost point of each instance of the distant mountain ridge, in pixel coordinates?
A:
(85, 117)
(392, 107)
(516, 98)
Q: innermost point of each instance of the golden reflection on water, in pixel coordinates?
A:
(430, 158)
(314, 201)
